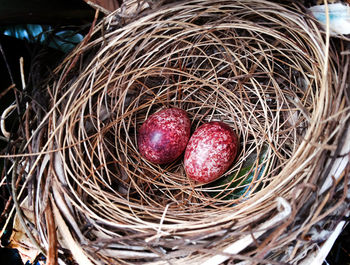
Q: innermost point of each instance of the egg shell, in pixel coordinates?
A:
(210, 151)
(164, 135)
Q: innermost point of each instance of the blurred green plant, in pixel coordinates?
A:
(59, 38)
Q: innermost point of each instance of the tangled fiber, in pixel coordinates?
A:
(265, 69)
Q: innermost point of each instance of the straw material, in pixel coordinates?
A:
(265, 69)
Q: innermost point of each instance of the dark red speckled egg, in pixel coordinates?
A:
(210, 151)
(164, 135)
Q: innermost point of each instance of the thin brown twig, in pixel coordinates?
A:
(85, 40)
(52, 254)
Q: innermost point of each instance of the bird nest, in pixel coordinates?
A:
(265, 69)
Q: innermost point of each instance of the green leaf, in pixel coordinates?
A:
(237, 184)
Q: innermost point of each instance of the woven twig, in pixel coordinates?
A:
(265, 69)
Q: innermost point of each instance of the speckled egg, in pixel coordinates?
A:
(164, 135)
(210, 151)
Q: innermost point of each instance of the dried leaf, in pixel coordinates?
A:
(19, 238)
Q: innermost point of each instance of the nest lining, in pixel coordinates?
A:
(255, 65)
(215, 76)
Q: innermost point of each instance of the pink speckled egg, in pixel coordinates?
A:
(164, 135)
(210, 151)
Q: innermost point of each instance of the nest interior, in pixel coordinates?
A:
(263, 68)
